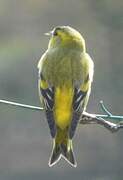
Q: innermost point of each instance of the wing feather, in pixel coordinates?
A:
(46, 94)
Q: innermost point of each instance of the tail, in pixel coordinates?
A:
(63, 149)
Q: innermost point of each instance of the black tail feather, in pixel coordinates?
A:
(62, 150)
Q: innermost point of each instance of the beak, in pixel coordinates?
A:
(50, 33)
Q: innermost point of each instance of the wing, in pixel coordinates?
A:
(46, 94)
(88, 67)
(78, 100)
(82, 93)
(78, 97)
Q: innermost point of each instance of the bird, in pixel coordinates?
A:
(65, 75)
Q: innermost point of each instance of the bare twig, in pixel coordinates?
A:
(21, 105)
(86, 118)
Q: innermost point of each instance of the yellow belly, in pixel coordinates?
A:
(63, 106)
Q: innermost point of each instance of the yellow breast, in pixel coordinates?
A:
(63, 106)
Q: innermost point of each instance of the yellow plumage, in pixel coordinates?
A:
(63, 106)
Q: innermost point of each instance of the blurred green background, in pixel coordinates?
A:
(25, 143)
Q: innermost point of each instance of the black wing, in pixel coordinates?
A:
(77, 110)
(48, 99)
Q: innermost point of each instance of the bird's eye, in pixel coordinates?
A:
(56, 30)
(55, 33)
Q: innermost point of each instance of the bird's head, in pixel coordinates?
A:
(65, 36)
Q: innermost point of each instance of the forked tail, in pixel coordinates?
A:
(64, 150)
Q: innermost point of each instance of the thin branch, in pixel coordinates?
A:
(105, 109)
(21, 105)
(86, 118)
(108, 114)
